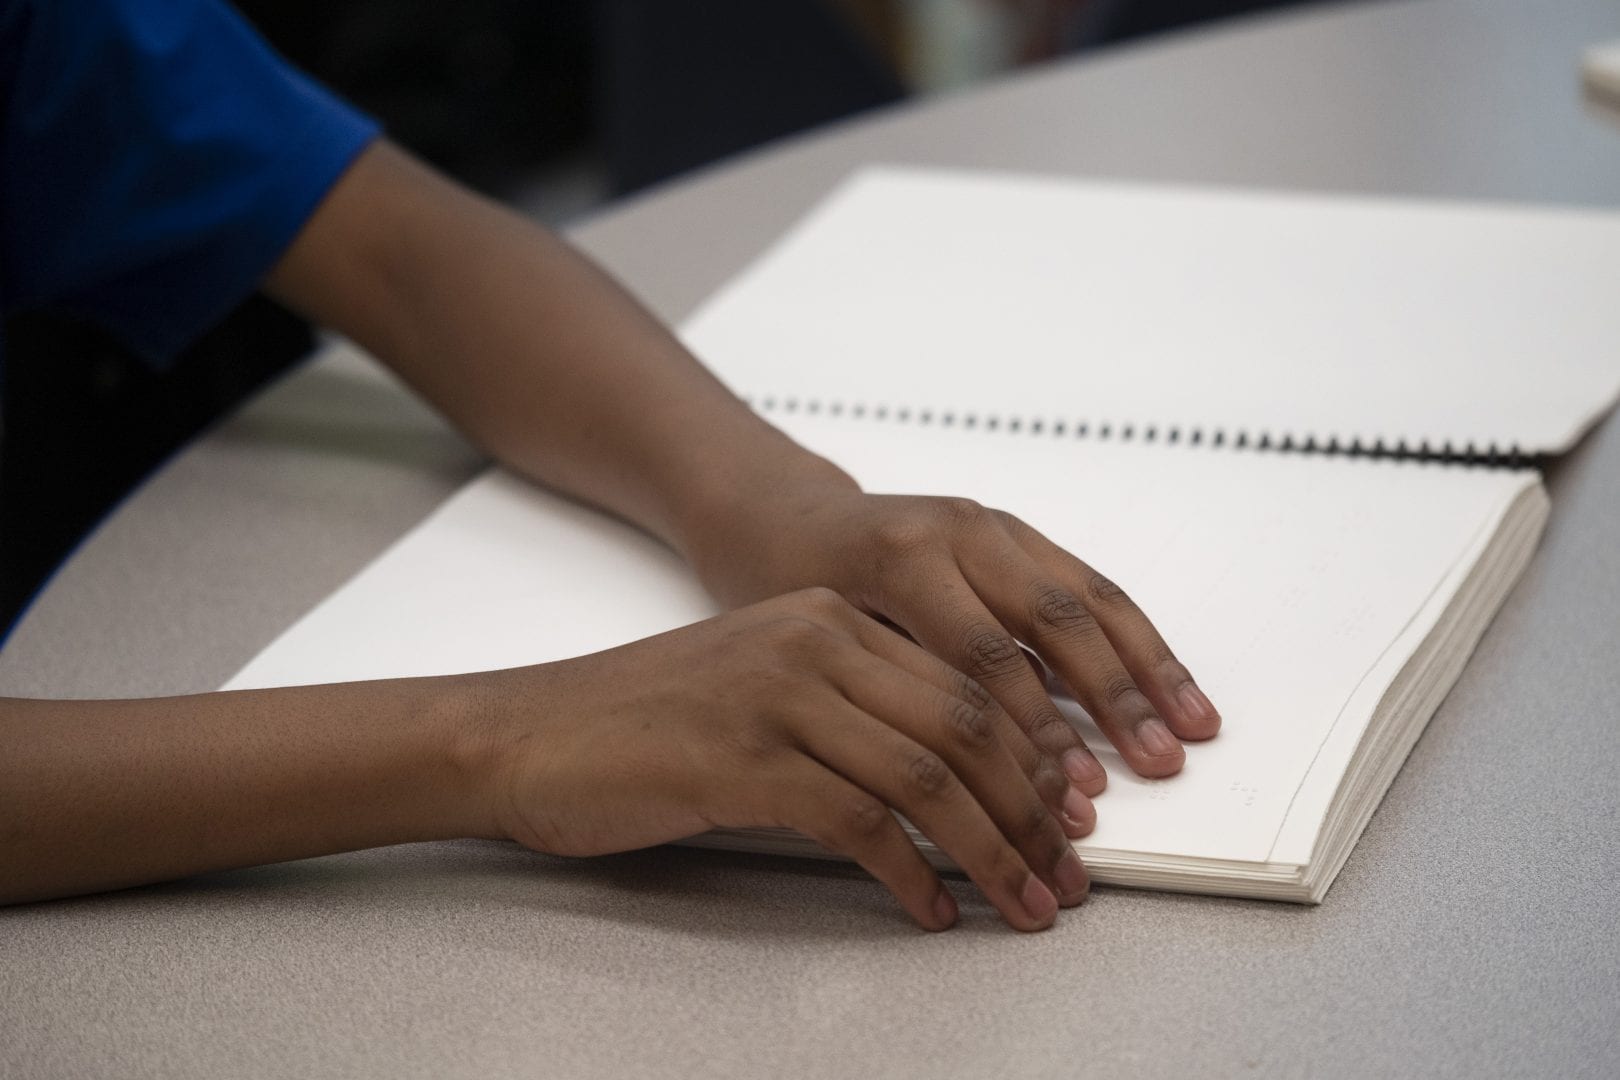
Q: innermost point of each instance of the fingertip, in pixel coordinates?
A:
(1159, 753)
(1198, 719)
(1156, 740)
(1084, 771)
(1079, 815)
(1072, 880)
(1157, 768)
(1199, 731)
(1039, 903)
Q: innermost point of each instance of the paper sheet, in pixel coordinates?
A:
(1201, 310)
(1281, 581)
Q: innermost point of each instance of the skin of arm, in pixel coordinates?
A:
(532, 351)
(553, 369)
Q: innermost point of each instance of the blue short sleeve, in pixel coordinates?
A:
(156, 159)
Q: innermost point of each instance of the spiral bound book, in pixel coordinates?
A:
(1383, 325)
(1323, 549)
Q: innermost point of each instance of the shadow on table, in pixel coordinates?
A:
(668, 890)
(672, 890)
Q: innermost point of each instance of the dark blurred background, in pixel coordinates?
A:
(553, 105)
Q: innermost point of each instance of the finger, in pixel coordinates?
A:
(943, 613)
(1070, 804)
(848, 821)
(1063, 631)
(1042, 672)
(916, 781)
(1164, 679)
(965, 734)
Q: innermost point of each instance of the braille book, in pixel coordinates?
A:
(1300, 431)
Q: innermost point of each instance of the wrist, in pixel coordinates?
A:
(750, 539)
(750, 494)
(477, 734)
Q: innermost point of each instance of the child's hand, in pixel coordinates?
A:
(969, 584)
(798, 712)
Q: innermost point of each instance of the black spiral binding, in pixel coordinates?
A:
(1489, 456)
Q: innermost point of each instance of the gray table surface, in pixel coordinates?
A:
(1473, 931)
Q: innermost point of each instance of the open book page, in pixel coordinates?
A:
(1409, 679)
(1267, 315)
(1281, 580)
(502, 575)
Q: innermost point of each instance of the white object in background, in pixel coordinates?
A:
(953, 43)
(1600, 72)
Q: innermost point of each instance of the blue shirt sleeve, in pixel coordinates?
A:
(156, 158)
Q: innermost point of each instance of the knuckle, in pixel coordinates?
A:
(971, 725)
(970, 691)
(1058, 610)
(901, 538)
(991, 653)
(820, 600)
(928, 775)
(1048, 725)
(1120, 689)
(1100, 589)
(1169, 668)
(1011, 522)
(1035, 824)
(1049, 780)
(962, 513)
(864, 819)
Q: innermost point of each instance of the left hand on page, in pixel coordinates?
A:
(970, 584)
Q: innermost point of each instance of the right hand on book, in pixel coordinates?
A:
(798, 712)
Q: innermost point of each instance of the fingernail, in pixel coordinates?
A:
(1156, 738)
(944, 909)
(1082, 767)
(1039, 903)
(1195, 704)
(1072, 880)
(1078, 809)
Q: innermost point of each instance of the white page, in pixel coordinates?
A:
(1261, 313)
(1281, 580)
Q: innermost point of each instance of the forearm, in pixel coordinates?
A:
(532, 351)
(103, 794)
